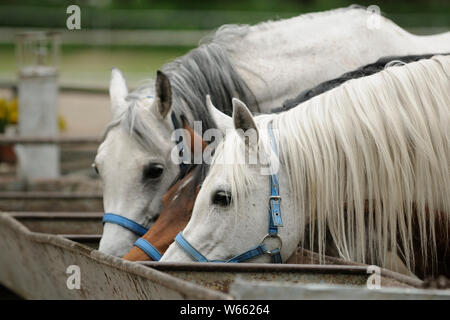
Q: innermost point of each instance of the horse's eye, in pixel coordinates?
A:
(222, 198)
(153, 171)
(94, 166)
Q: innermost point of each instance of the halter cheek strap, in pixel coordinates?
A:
(126, 223)
(275, 221)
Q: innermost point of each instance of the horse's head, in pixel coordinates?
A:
(178, 204)
(230, 215)
(134, 160)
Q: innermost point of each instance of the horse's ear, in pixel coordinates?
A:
(163, 94)
(222, 121)
(243, 122)
(118, 92)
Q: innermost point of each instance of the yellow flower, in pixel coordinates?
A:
(13, 117)
(3, 109)
(9, 113)
(62, 124)
(13, 111)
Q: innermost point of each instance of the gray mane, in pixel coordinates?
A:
(202, 71)
(208, 70)
(205, 70)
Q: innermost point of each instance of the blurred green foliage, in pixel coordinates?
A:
(398, 6)
(197, 14)
(89, 65)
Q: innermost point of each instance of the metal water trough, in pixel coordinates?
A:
(221, 276)
(248, 290)
(33, 265)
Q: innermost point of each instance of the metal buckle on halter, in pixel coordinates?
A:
(272, 236)
(275, 204)
(274, 198)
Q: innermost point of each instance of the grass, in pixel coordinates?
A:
(91, 66)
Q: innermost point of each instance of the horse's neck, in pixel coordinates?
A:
(280, 59)
(436, 43)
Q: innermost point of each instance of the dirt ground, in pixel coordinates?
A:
(86, 114)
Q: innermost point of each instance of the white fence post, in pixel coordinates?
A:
(37, 54)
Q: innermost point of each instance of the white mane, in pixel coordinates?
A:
(362, 158)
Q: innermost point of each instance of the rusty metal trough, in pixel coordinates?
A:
(33, 265)
(57, 223)
(37, 248)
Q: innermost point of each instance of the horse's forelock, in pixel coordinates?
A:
(131, 121)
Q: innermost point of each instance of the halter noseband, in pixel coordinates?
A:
(275, 221)
(148, 248)
(135, 227)
(126, 223)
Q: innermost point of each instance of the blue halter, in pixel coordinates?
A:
(135, 227)
(138, 229)
(275, 221)
(148, 248)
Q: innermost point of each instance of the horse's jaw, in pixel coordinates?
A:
(175, 254)
(116, 240)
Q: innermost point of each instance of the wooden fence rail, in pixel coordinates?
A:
(8, 140)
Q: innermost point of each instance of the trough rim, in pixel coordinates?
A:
(276, 268)
(157, 277)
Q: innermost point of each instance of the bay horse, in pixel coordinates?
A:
(262, 65)
(367, 160)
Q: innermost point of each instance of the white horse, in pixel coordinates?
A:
(382, 140)
(262, 65)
